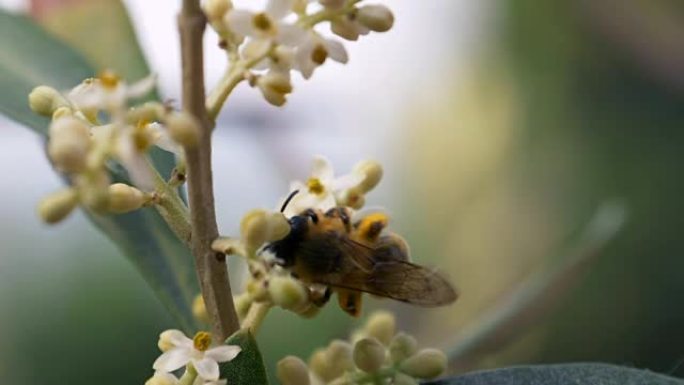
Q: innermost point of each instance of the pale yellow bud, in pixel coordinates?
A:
(93, 190)
(257, 290)
(183, 128)
(372, 173)
(402, 347)
(69, 144)
(339, 355)
(381, 325)
(62, 112)
(58, 205)
(377, 18)
(216, 9)
(45, 100)
(168, 339)
(242, 303)
(124, 198)
(274, 86)
(369, 355)
(352, 197)
(344, 28)
(278, 226)
(162, 379)
(426, 364)
(403, 379)
(287, 292)
(332, 3)
(199, 310)
(292, 370)
(320, 366)
(259, 227)
(148, 112)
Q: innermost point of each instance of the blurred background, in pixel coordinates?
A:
(502, 126)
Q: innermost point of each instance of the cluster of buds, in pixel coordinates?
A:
(266, 46)
(374, 354)
(270, 283)
(92, 126)
(198, 356)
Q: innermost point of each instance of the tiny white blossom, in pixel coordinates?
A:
(267, 26)
(108, 93)
(315, 50)
(162, 378)
(185, 350)
(319, 190)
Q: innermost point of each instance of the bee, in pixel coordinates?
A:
(326, 248)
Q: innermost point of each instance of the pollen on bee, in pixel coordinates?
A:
(369, 228)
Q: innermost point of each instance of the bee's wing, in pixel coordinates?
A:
(397, 279)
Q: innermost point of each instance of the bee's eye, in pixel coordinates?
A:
(311, 214)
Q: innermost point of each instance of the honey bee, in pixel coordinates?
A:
(326, 248)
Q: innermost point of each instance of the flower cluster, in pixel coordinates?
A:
(374, 354)
(92, 126)
(270, 283)
(283, 37)
(197, 355)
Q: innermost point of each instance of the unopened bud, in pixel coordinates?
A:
(161, 378)
(344, 28)
(216, 9)
(57, 206)
(292, 370)
(339, 355)
(169, 339)
(242, 304)
(352, 197)
(320, 365)
(259, 227)
(69, 144)
(372, 173)
(93, 189)
(403, 379)
(377, 18)
(62, 112)
(199, 310)
(402, 347)
(332, 3)
(369, 355)
(426, 364)
(274, 86)
(124, 198)
(287, 292)
(45, 100)
(257, 289)
(381, 325)
(148, 112)
(183, 128)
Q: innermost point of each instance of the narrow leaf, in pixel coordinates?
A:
(567, 374)
(248, 367)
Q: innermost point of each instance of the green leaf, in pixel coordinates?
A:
(248, 367)
(567, 374)
(30, 57)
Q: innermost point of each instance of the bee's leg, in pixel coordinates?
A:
(350, 302)
(320, 299)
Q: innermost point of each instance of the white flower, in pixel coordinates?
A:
(315, 50)
(319, 190)
(108, 93)
(162, 378)
(268, 26)
(347, 27)
(184, 350)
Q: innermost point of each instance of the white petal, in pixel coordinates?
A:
(136, 165)
(327, 202)
(290, 35)
(162, 139)
(240, 22)
(256, 48)
(177, 338)
(207, 368)
(300, 202)
(172, 360)
(87, 95)
(223, 353)
(346, 181)
(141, 87)
(322, 169)
(278, 9)
(167, 378)
(336, 51)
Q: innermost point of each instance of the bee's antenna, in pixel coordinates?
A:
(287, 201)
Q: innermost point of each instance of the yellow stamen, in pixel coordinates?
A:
(319, 54)
(202, 341)
(262, 22)
(108, 79)
(315, 186)
(141, 139)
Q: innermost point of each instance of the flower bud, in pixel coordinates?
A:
(242, 303)
(57, 206)
(377, 18)
(257, 289)
(199, 310)
(183, 128)
(332, 3)
(402, 347)
(93, 190)
(124, 198)
(287, 292)
(426, 364)
(169, 339)
(352, 197)
(161, 378)
(339, 355)
(216, 9)
(372, 173)
(259, 227)
(381, 325)
(274, 86)
(318, 362)
(369, 355)
(292, 370)
(62, 112)
(44, 100)
(69, 144)
(403, 379)
(148, 112)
